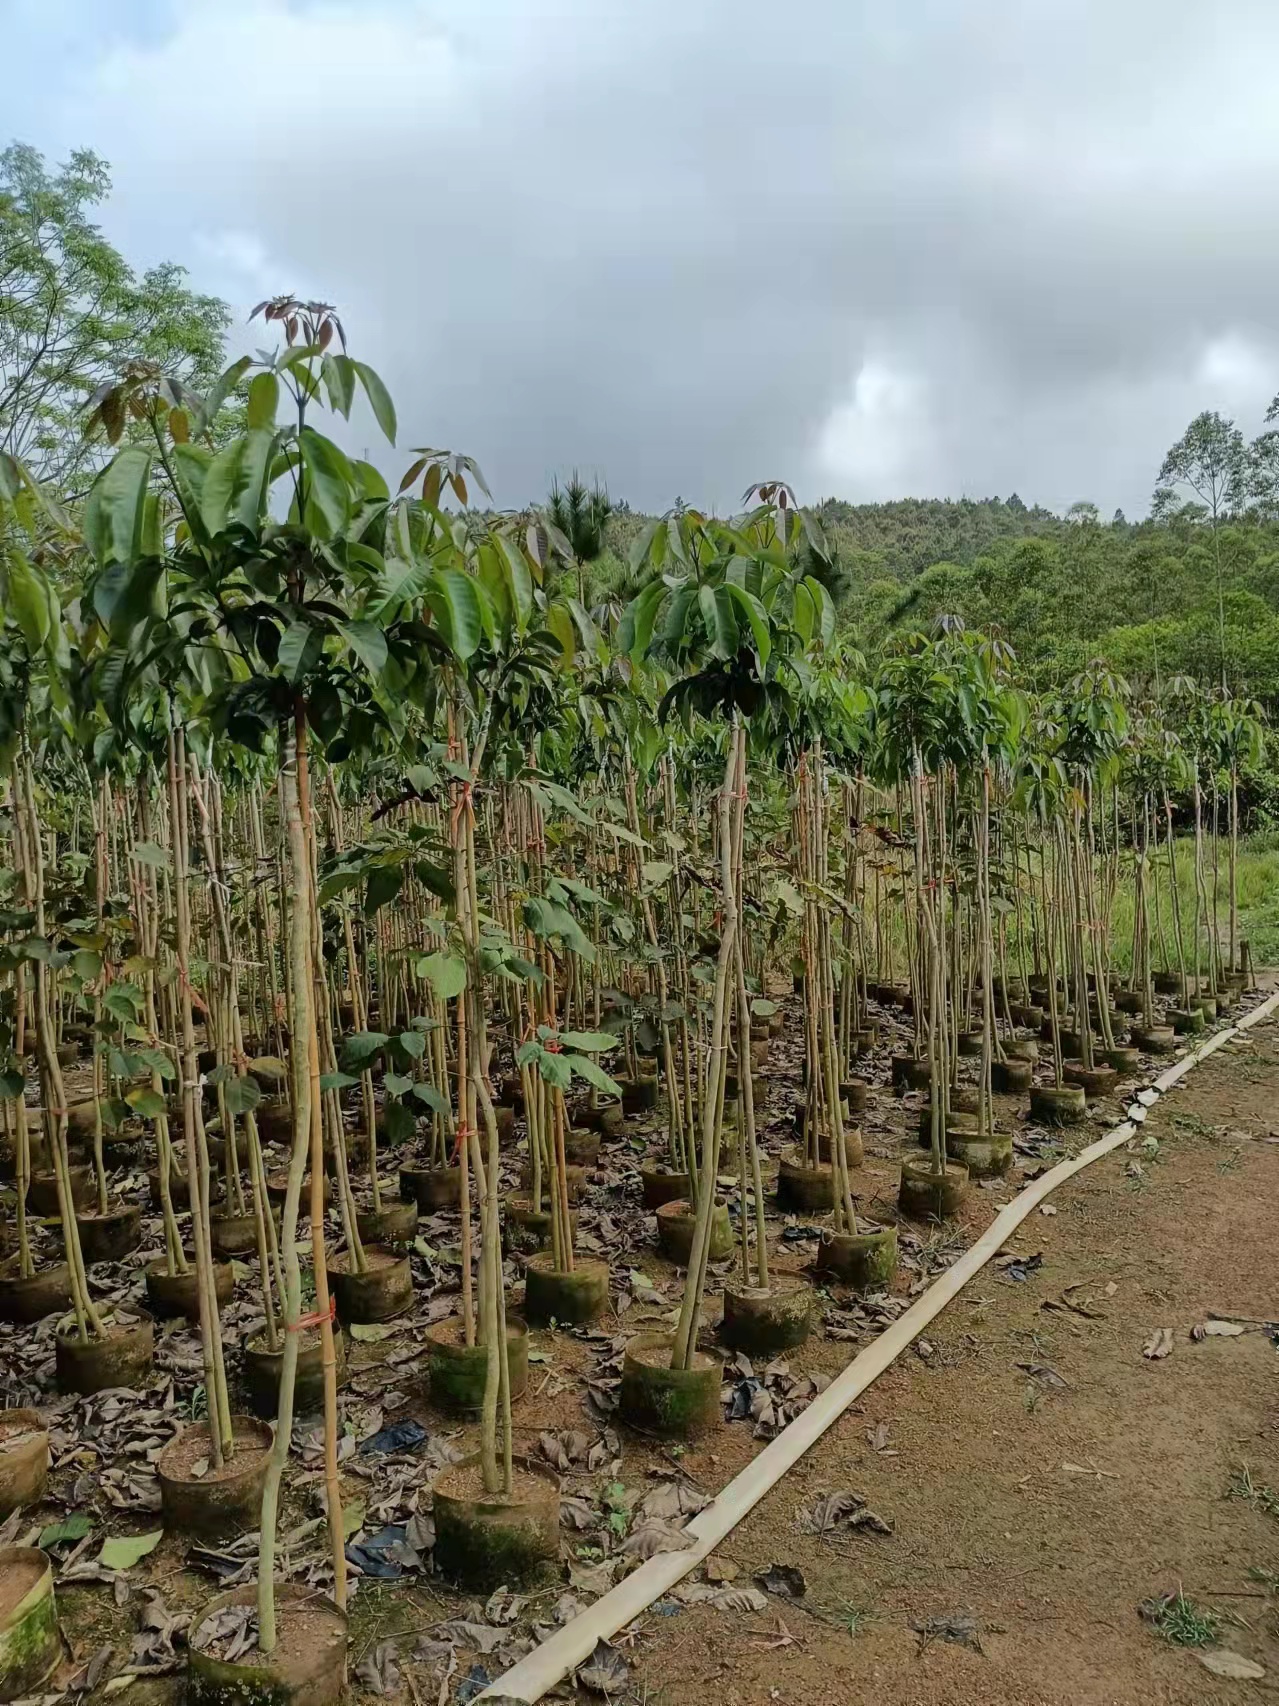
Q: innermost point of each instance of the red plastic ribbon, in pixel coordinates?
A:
(316, 1320)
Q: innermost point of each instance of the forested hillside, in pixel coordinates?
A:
(1062, 590)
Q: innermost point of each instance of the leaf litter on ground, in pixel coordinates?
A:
(961, 1627)
(841, 1510)
(785, 1581)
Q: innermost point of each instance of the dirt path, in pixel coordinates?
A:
(1047, 1506)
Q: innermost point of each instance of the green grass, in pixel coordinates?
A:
(1258, 883)
(1258, 880)
(1261, 1498)
(1184, 1623)
(853, 1619)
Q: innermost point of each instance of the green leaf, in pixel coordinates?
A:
(384, 883)
(330, 478)
(116, 505)
(338, 374)
(397, 1083)
(446, 973)
(677, 613)
(301, 645)
(555, 1070)
(546, 918)
(721, 621)
(403, 581)
(519, 581)
(368, 642)
(413, 1044)
(656, 872)
(242, 1095)
(122, 1000)
(86, 964)
(147, 1104)
(235, 487)
(73, 1527)
(379, 399)
(430, 1097)
(147, 853)
(123, 1551)
(560, 622)
(643, 615)
(823, 608)
(363, 1045)
(264, 401)
(454, 601)
(399, 1122)
(27, 596)
(337, 1081)
(585, 627)
(592, 1042)
(757, 617)
(222, 389)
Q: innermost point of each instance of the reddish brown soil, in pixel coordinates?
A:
(1046, 1512)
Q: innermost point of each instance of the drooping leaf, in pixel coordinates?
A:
(116, 504)
(454, 602)
(330, 478)
(593, 1073)
(546, 918)
(264, 401)
(242, 1095)
(379, 399)
(430, 1097)
(301, 645)
(368, 642)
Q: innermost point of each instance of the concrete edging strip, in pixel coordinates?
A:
(548, 1664)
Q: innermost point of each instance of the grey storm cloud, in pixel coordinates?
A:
(881, 250)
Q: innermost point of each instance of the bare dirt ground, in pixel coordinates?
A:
(1042, 1477)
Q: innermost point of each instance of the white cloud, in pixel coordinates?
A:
(645, 237)
(876, 442)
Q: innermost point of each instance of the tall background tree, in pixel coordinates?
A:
(1209, 460)
(74, 315)
(582, 514)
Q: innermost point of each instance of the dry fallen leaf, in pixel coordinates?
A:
(1047, 1208)
(784, 1580)
(1222, 1662)
(721, 1599)
(606, 1671)
(1158, 1345)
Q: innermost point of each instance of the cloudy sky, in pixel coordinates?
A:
(938, 247)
